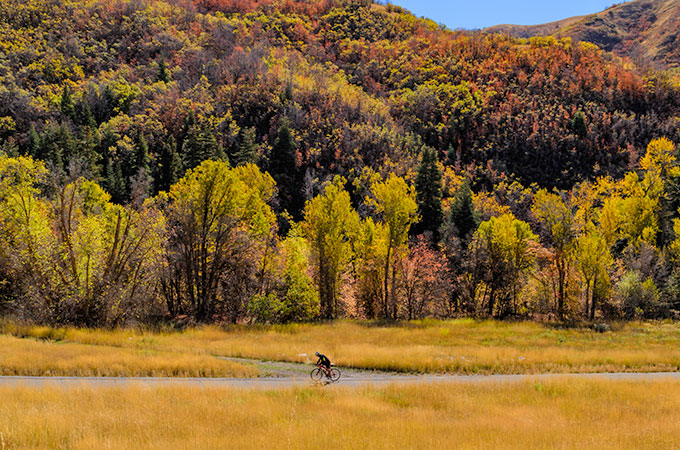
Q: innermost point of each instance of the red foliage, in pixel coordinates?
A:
(425, 281)
(311, 8)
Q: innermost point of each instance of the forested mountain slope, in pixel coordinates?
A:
(141, 90)
(281, 161)
(645, 30)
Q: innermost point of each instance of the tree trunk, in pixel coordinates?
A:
(323, 285)
(386, 292)
(491, 301)
(587, 298)
(393, 293)
(593, 303)
(561, 287)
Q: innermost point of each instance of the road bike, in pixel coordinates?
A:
(320, 371)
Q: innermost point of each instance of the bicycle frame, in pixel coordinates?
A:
(326, 370)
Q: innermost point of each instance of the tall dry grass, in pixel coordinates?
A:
(44, 358)
(458, 346)
(557, 414)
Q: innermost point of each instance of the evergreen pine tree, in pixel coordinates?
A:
(56, 157)
(107, 105)
(452, 157)
(200, 144)
(578, 124)
(108, 174)
(247, 151)
(87, 150)
(429, 194)
(115, 185)
(33, 146)
(142, 154)
(287, 94)
(120, 189)
(283, 168)
(163, 74)
(66, 103)
(463, 214)
(65, 141)
(84, 115)
(171, 166)
(189, 123)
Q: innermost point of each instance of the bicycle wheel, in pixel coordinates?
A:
(335, 374)
(316, 374)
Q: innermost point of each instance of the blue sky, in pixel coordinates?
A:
(470, 14)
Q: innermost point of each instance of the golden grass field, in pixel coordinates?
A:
(554, 414)
(43, 358)
(457, 346)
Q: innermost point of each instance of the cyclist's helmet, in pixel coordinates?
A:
(316, 353)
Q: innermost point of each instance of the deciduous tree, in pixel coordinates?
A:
(330, 225)
(502, 249)
(555, 217)
(395, 206)
(216, 218)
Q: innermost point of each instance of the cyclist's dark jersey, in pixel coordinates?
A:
(324, 361)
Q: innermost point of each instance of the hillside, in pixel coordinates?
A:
(308, 90)
(281, 160)
(644, 30)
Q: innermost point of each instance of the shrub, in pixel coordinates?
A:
(638, 299)
(301, 302)
(264, 308)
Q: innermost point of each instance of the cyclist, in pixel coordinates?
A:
(324, 361)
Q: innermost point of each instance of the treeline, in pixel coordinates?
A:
(392, 248)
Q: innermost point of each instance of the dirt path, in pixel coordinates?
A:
(283, 374)
(284, 382)
(291, 370)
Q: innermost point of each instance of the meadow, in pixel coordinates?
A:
(553, 414)
(456, 346)
(45, 357)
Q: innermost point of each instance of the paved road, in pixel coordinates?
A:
(284, 382)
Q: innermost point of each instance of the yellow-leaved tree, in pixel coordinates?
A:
(593, 260)
(555, 216)
(26, 230)
(502, 251)
(221, 225)
(331, 226)
(630, 213)
(371, 247)
(108, 253)
(77, 258)
(396, 209)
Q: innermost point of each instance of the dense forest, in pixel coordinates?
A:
(273, 161)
